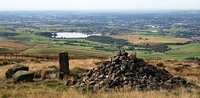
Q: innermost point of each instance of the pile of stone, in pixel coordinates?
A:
(128, 71)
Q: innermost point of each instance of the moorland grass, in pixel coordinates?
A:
(30, 36)
(72, 51)
(55, 88)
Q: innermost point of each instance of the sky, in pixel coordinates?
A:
(13, 5)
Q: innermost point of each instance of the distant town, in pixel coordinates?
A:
(102, 33)
(177, 23)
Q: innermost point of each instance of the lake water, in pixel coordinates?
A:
(73, 35)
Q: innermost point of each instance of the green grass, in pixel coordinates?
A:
(184, 51)
(73, 50)
(31, 39)
(156, 35)
(56, 28)
(114, 27)
(28, 43)
(30, 36)
(144, 29)
(1, 38)
(178, 52)
(174, 30)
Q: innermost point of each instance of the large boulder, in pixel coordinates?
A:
(24, 76)
(14, 69)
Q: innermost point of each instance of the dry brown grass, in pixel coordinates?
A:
(189, 70)
(151, 39)
(42, 90)
(35, 64)
(12, 45)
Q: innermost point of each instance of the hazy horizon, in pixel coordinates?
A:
(30, 5)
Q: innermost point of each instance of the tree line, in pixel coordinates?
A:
(108, 40)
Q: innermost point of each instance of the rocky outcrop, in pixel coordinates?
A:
(9, 73)
(124, 71)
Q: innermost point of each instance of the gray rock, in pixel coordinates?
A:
(119, 53)
(122, 68)
(52, 76)
(132, 56)
(129, 74)
(158, 74)
(96, 87)
(53, 67)
(124, 53)
(116, 59)
(24, 76)
(14, 69)
(68, 82)
(154, 85)
(139, 87)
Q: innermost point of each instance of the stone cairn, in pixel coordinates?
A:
(123, 71)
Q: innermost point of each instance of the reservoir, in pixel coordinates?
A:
(73, 35)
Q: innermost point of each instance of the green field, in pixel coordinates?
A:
(29, 36)
(174, 30)
(74, 50)
(44, 45)
(177, 52)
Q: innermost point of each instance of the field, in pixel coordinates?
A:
(27, 42)
(151, 39)
(178, 52)
(55, 88)
(12, 45)
(30, 43)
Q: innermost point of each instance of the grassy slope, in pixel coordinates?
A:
(185, 51)
(40, 44)
(174, 30)
(56, 89)
(177, 52)
(74, 50)
(30, 36)
(44, 45)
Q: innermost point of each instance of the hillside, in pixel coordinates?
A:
(54, 87)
